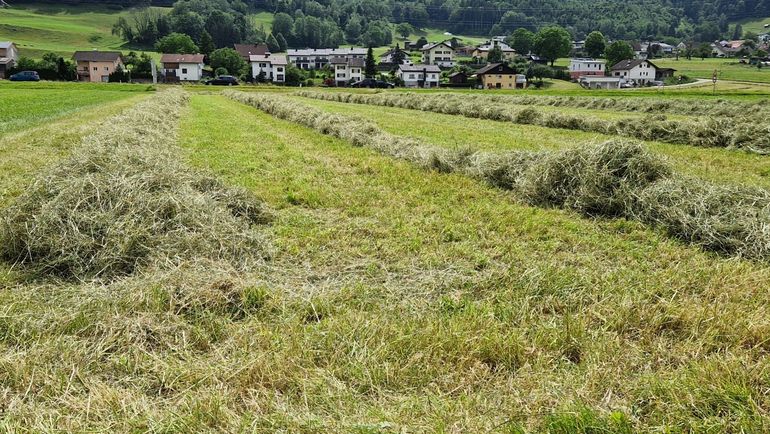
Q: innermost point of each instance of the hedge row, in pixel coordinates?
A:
(613, 179)
(706, 132)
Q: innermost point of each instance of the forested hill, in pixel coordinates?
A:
(704, 20)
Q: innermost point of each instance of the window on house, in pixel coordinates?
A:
(106, 69)
(96, 68)
(184, 70)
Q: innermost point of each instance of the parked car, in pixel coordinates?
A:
(371, 82)
(25, 76)
(223, 80)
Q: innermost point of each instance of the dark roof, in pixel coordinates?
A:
(96, 56)
(356, 62)
(427, 47)
(494, 68)
(246, 50)
(419, 68)
(455, 74)
(630, 64)
(181, 58)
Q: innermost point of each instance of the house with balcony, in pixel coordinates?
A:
(581, 67)
(347, 71)
(268, 67)
(181, 67)
(317, 58)
(9, 55)
(96, 66)
(440, 54)
(419, 75)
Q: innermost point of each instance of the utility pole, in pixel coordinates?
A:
(714, 79)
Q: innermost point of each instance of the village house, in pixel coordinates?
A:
(583, 66)
(248, 50)
(419, 75)
(346, 70)
(440, 54)
(181, 67)
(269, 67)
(96, 66)
(458, 78)
(9, 55)
(317, 58)
(388, 57)
(500, 76)
(482, 51)
(465, 51)
(637, 71)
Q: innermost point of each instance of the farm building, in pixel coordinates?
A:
(181, 67)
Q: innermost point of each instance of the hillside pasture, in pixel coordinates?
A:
(727, 69)
(38, 28)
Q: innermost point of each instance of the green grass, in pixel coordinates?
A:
(264, 19)
(63, 29)
(756, 25)
(397, 300)
(717, 164)
(28, 104)
(727, 69)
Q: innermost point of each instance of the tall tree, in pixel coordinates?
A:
(404, 29)
(178, 43)
(207, 43)
(553, 42)
(228, 59)
(522, 40)
(595, 44)
(398, 55)
(371, 66)
(282, 44)
(495, 55)
(272, 44)
(617, 52)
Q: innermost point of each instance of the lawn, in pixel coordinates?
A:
(727, 69)
(396, 300)
(25, 104)
(40, 28)
(756, 25)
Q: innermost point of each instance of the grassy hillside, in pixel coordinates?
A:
(41, 28)
(756, 25)
(727, 69)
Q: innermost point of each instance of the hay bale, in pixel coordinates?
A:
(124, 200)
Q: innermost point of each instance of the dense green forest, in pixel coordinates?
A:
(316, 23)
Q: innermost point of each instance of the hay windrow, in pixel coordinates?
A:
(612, 179)
(743, 132)
(125, 200)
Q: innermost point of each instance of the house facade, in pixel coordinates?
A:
(440, 54)
(500, 76)
(389, 57)
(637, 71)
(317, 58)
(9, 55)
(181, 67)
(482, 51)
(600, 82)
(248, 50)
(347, 71)
(96, 66)
(586, 67)
(419, 75)
(269, 67)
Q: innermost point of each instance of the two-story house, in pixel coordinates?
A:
(317, 58)
(419, 75)
(440, 54)
(637, 71)
(269, 67)
(96, 66)
(500, 76)
(482, 51)
(390, 57)
(9, 55)
(586, 67)
(181, 67)
(347, 71)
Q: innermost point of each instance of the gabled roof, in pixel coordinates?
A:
(624, 65)
(357, 62)
(495, 68)
(458, 73)
(181, 58)
(427, 47)
(246, 50)
(97, 56)
(273, 59)
(419, 68)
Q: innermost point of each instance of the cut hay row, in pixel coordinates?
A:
(705, 132)
(737, 109)
(613, 179)
(124, 199)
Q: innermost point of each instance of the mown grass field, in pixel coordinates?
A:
(396, 299)
(27, 105)
(38, 28)
(727, 69)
